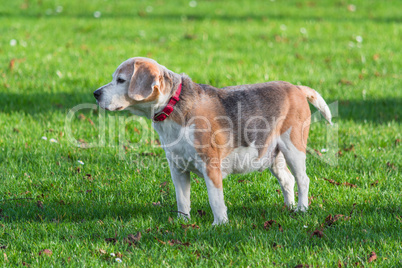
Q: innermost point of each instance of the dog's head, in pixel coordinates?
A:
(136, 83)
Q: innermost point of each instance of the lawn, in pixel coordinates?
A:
(78, 184)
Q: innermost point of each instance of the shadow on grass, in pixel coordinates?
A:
(378, 111)
(42, 103)
(57, 211)
(201, 17)
(42, 210)
(248, 17)
(243, 220)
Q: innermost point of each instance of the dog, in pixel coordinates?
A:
(214, 132)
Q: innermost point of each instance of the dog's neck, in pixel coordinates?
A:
(168, 99)
(188, 98)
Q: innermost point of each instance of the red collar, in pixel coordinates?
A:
(162, 115)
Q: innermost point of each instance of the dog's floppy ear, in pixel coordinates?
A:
(145, 80)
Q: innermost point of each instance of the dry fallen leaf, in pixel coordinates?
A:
(276, 246)
(177, 242)
(39, 204)
(174, 242)
(372, 257)
(329, 220)
(349, 184)
(88, 177)
(201, 212)
(11, 65)
(170, 220)
(345, 82)
(194, 226)
(132, 239)
(376, 56)
(46, 252)
(350, 148)
(332, 181)
(160, 241)
(278, 191)
(317, 233)
(112, 240)
(391, 165)
(302, 266)
(157, 142)
(197, 254)
(338, 183)
(269, 223)
(353, 208)
(118, 254)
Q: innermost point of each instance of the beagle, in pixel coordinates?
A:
(214, 132)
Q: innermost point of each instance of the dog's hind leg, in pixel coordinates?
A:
(297, 163)
(286, 180)
(296, 160)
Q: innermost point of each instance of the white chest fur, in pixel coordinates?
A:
(178, 143)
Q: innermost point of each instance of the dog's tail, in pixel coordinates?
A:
(315, 99)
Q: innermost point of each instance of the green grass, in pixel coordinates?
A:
(60, 58)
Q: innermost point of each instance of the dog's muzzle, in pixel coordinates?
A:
(97, 94)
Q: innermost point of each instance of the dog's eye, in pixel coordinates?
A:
(120, 80)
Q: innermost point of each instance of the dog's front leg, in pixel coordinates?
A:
(213, 180)
(181, 181)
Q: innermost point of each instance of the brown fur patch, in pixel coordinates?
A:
(277, 130)
(211, 143)
(141, 87)
(297, 118)
(152, 68)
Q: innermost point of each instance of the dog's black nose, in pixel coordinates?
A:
(97, 94)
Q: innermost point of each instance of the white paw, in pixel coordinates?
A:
(301, 208)
(221, 221)
(183, 216)
(291, 206)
